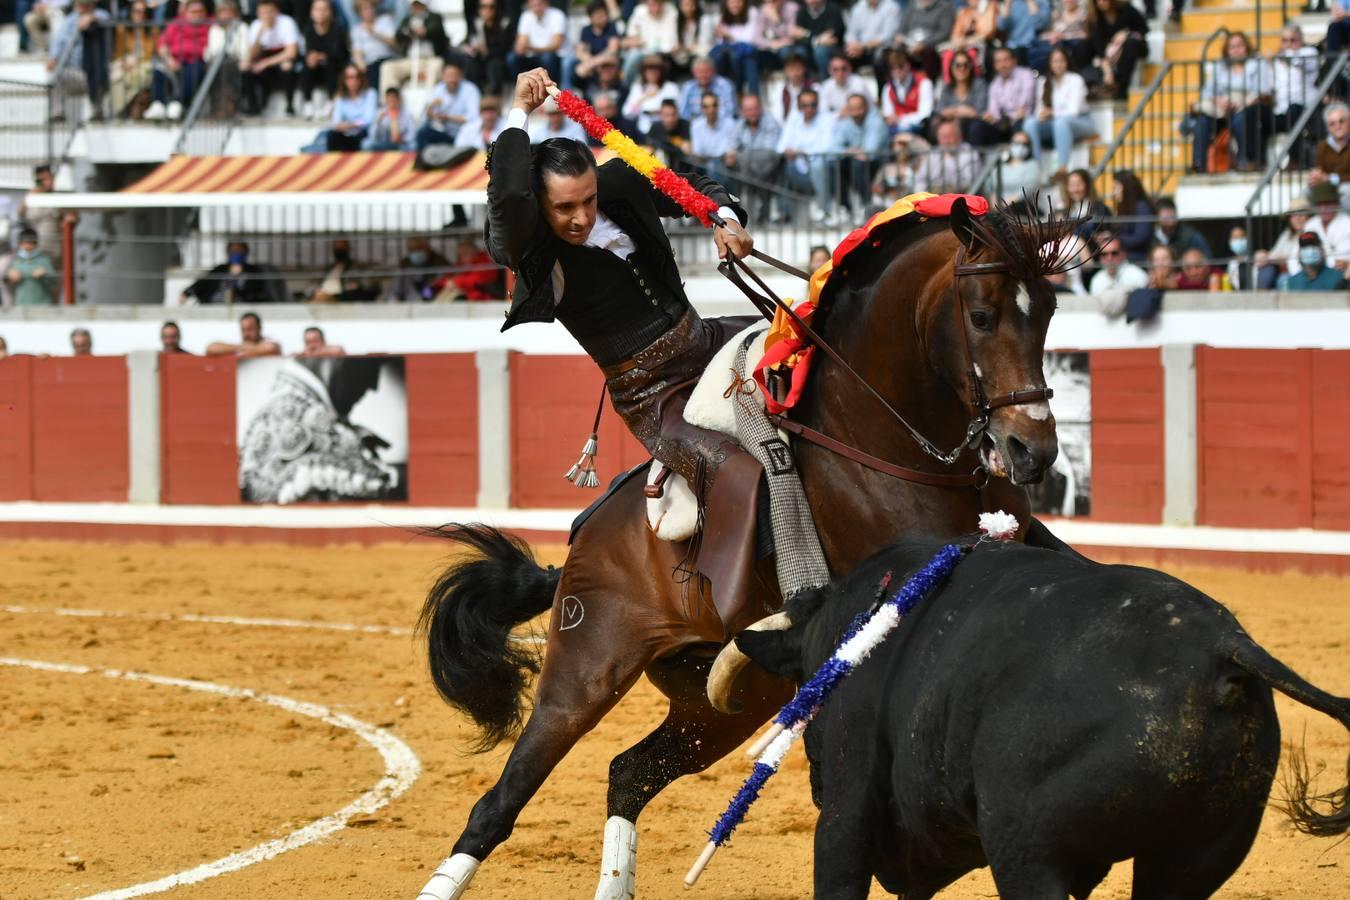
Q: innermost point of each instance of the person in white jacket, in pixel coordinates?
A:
(1061, 110)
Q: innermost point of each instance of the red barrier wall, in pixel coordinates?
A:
(1273, 430)
(198, 458)
(81, 441)
(553, 400)
(442, 429)
(1127, 435)
(16, 428)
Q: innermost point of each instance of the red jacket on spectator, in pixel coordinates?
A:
(185, 41)
(483, 282)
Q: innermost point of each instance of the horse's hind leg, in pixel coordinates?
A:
(692, 737)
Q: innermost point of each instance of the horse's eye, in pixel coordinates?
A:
(982, 319)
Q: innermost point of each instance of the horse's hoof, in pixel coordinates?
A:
(450, 879)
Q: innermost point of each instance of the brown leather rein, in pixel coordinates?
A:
(768, 303)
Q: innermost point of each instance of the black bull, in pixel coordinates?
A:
(1046, 716)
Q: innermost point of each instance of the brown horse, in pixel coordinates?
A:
(897, 317)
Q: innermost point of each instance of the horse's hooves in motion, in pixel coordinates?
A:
(450, 879)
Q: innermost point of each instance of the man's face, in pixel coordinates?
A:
(81, 344)
(795, 72)
(808, 104)
(452, 76)
(250, 332)
(196, 13)
(1291, 39)
(394, 101)
(169, 338)
(1167, 219)
(949, 135)
(320, 11)
(1112, 256)
(857, 109)
(1004, 62)
(1327, 211)
(709, 107)
(313, 341)
(1338, 123)
(751, 109)
(268, 13)
(555, 120)
(1193, 264)
(840, 70)
(489, 117)
(29, 247)
(703, 73)
(538, 7)
(670, 118)
(569, 206)
(599, 18)
(43, 181)
(138, 12)
(225, 14)
(606, 107)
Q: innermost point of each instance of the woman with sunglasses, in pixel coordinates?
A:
(963, 98)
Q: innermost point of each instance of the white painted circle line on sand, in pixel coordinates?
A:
(401, 769)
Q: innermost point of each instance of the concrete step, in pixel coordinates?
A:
(1207, 20)
(1191, 46)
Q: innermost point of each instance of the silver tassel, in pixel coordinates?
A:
(582, 474)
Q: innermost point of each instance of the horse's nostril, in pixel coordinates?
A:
(1020, 454)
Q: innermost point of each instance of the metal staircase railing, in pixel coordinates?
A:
(214, 112)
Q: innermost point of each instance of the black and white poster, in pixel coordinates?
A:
(330, 429)
(1067, 488)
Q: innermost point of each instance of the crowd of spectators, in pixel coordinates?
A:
(252, 342)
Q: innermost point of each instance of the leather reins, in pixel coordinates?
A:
(768, 303)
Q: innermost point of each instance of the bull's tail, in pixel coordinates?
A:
(1301, 807)
(476, 664)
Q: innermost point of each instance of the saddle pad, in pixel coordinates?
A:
(674, 515)
(708, 405)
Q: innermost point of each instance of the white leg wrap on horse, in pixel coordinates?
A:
(618, 861)
(450, 879)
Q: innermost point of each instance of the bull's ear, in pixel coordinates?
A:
(776, 652)
(963, 226)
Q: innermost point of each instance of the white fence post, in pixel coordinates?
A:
(143, 426)
(494, 429)
(1180, 446)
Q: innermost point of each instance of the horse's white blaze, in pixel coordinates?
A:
(1023, 299)
(618, 861)
(450, 879)
(1038, 411)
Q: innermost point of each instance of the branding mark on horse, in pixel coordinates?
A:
(780, 457)
(572, 613)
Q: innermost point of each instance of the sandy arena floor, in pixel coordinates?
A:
(109, 783)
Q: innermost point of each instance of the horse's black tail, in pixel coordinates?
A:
(1301, 806)
(477, 665)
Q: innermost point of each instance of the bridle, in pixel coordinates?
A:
(981, 406)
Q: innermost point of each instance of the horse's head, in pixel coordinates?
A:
(985, 330)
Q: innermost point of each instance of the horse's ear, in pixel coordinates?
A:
(963, 226)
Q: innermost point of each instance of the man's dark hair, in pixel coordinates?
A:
(42, 169)
(253, 316)
(559, 156)
(671, 103)
(317, 330)
(595, 6)
(170, 323)
(1165, 203)
(28, 234)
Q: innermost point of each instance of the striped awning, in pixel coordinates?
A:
(308, 174)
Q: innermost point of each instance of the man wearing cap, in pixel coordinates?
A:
(588, 250)
(1331, 225)
(1313, 274)
(31, 275)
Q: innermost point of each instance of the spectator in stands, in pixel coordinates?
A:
(671, 135)
(1236, 90)
(649, 91)
(354, 110)
(895, 178)
(273, 47)
(343, 283)
(251, 341)
(711, 135)
(842, 84)
(736, 53)
(1061, 110)
(171, 339)
(1332, 164)
(1282, 257)
(606, 104)
(653, 28)
(452, 103)
(317, 345)
(237, 281)
(1019, 173)
(1117, 31)
(1162, 269)
(1116, 272)
(491, 37)
(327, 54)
(540, 33)
(422, 49)
(820, 255)
(182, 63)
(963, 98)
(754, 153)
(1314, 272)
(777, 21)
(907, 96)
(46, 221)
(228, 37)
(85, 28)
(81, 342)
(419, 270)
(1021, 23)
(871, 29)
(393, 129)
(795, 80)
(860, 138)
(1196, 275)
(950, 167)
(1068, 29)
(372, 40)
(805, 145)
(597, 43)
(31, 275)
(482, 131)
(39, 22)
(1331, 225)
(605, 80)
(820, 31)
(924, 25)
(475, 276)
(1134, 213)
(705, 78)
(694, 34)
(1172, 232)
(1012, 97)
(1241, 273)
(555, 125)
(1338, 29)
(1295, 69)
(1080, 200)
(133, 60)
(975, 25)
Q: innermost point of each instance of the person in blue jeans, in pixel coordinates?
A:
(737, 52)
(1061, 110)
(597, 44)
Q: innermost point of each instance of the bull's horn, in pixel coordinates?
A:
(731, 661)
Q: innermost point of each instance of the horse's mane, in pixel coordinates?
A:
(1033, 248)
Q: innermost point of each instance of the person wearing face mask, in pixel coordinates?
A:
(1019, 174)
(342, 282)
(419, 270)
(237, 281)
(31, 275)
(1240, 272)
(1314, 274)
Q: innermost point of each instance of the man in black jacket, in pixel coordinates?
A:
(588, 249)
